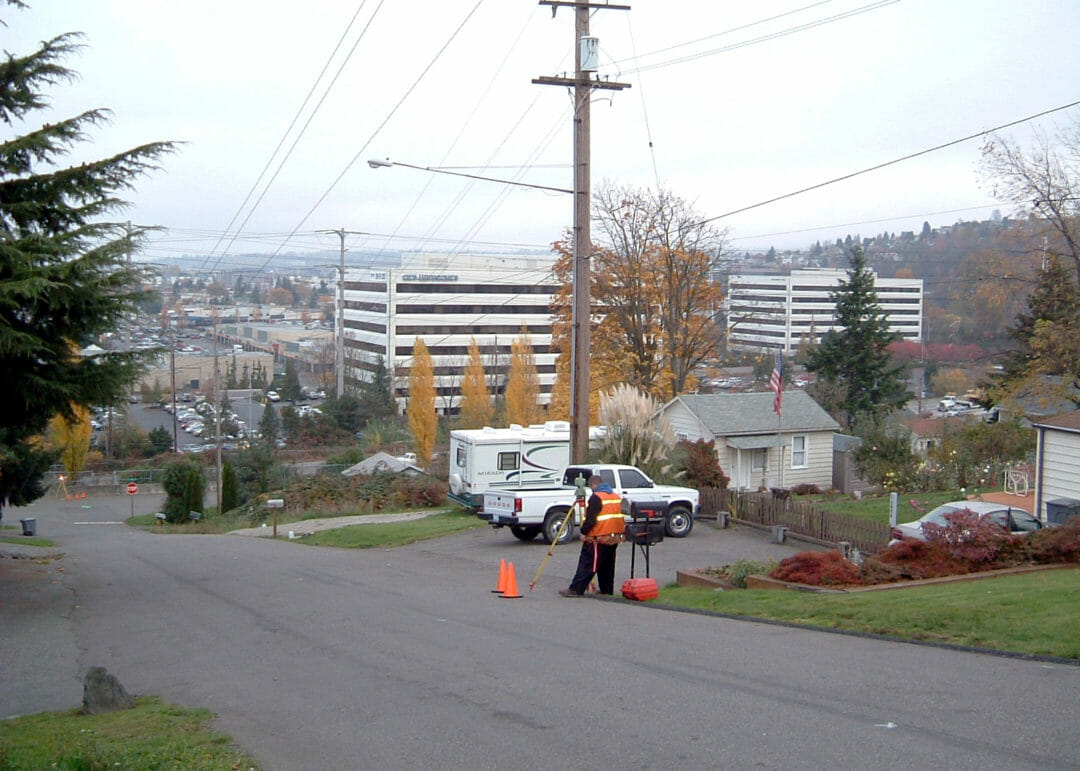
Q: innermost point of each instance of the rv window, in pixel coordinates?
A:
(508, 461)
(460, 457)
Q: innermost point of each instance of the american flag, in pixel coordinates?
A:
(776, 384)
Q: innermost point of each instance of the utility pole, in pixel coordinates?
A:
(339, 324)
(586, 54)
(217, 415)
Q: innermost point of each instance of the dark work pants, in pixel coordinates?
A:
(604, 557)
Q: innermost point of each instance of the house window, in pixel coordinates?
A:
(799, 454)
(682, 436)
(759, 460)
(508, 461)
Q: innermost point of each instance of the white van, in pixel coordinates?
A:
(506, 458)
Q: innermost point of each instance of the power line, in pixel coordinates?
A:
(281, 141)
(770, 36)
(311, 117)
(378, 128)
(893, 162)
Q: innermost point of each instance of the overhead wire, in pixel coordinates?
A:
(893, 162)
(767, 37)
(311, 117)
(483, 95)
(284, 135)
(378, 128)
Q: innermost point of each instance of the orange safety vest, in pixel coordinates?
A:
(609, 522)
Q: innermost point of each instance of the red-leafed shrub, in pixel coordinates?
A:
(916, 559)
(419, 492)
(1056, 544)
(969, 537)
(818, 569)
(806, 488)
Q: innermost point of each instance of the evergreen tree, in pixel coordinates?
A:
(292, 381)
(423, 420)
(1046, 340)
(476, 406)
(856, 375)
(269, 427)
(377, 395)
(184, 486)
(64, 273)
(230, 488)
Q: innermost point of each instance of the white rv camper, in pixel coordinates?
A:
(506, 458)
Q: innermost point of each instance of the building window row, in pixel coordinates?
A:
(477, 289)
(474, 310)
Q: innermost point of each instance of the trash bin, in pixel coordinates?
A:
(1060, 509)
(29, 526)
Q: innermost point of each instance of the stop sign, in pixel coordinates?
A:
(132, 488)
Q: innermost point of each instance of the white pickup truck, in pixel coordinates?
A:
(529, 513)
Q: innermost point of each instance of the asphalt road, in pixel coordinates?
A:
(326, 658)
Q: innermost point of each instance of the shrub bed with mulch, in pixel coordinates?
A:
(966, 544)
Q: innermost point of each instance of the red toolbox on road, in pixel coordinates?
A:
(640, 589)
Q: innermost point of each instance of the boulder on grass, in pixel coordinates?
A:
(102, 693)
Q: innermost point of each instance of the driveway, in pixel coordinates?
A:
(404, 658)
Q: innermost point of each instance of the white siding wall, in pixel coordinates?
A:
(1060, 466)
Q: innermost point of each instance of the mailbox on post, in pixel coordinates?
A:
(274, 504)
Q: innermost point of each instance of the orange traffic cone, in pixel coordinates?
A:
(500, 587)
(69, 497)
(511, 591)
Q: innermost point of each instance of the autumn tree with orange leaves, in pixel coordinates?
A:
(476, 407)
(523, 383)
(654, 299)
(423, 421)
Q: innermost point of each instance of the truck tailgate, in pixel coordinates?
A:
(498, 506)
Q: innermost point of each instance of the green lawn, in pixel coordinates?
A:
(26, 540)
(212, 524)
(1033, 613)
(152, 735)
(392, 534)
(877, 507)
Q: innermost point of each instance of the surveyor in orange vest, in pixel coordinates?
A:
(601, 532)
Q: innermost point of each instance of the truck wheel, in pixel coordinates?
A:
(552, 522)
(525, 533)
(679, 522)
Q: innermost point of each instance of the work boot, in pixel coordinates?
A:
(569, 593)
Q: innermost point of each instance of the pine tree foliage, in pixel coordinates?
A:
(634, 434)
(523, 383)
(1044, 361)
(64, 272)
(377, 395)
(476, 406)
(856, 375)
(423, 420)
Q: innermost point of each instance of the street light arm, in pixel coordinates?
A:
(377, 163)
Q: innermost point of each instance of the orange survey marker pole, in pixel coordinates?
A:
(500, 586)
(579, 505)
(511, 592)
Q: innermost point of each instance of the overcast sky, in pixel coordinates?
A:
(730, 104)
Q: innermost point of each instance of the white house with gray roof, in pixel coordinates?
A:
(755, 447)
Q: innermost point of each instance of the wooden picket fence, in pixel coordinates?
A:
(798, 517)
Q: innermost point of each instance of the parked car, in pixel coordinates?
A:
(1016, 520)
(273, 396)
